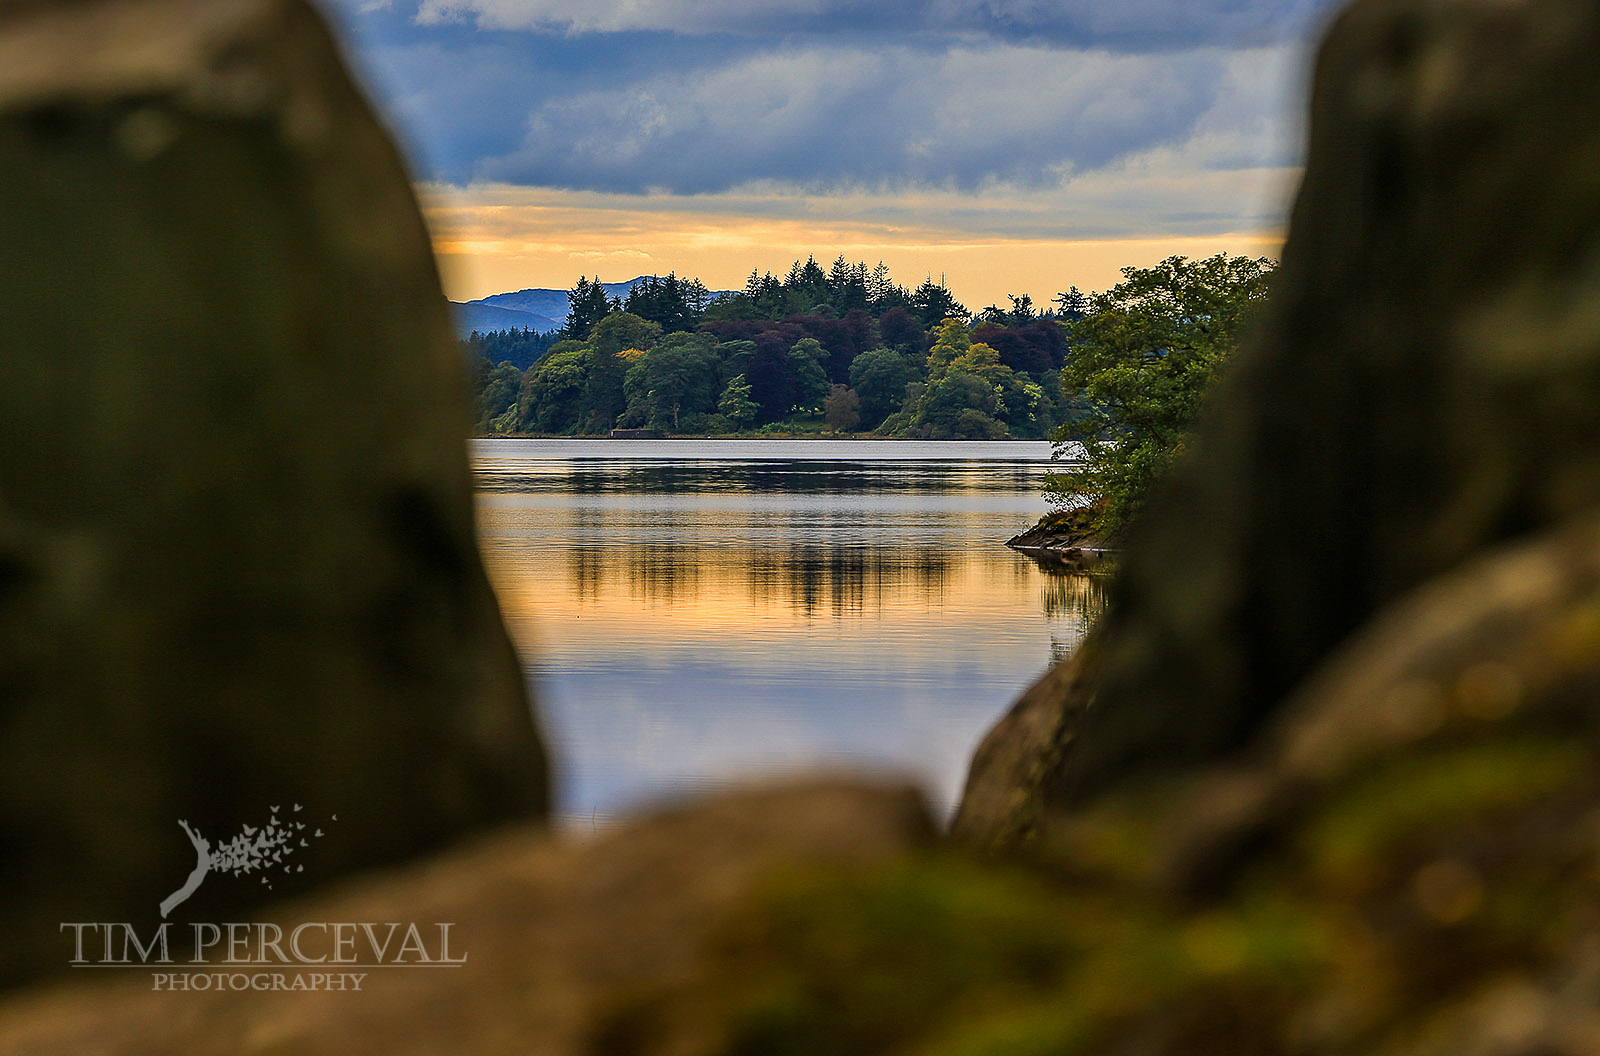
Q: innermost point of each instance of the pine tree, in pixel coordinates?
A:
(587, 304)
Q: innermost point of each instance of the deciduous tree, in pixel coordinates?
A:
(613, 335)
(677, 377)
(842, 408)
(553, 389)
(880, 377)
(1141, 361)
(736, 404)
(499, 394)
(808, 374)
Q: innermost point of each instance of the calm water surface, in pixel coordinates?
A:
(697, 612)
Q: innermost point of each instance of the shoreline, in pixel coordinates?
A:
(1031, 457)
(1065, 540)
(746, 437)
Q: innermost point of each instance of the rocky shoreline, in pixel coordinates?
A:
(1065, 540)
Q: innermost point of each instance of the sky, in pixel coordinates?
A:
(1005, 146)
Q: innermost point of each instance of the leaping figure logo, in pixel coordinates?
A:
(253, 849)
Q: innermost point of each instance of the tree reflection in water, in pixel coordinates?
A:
(1071, 594)
(806, 577)
(692, 621)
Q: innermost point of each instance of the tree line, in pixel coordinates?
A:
(845, 349)
(1121, 375)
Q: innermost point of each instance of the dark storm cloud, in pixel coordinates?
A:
(1131, 24)
(697, 96)
(836, 117)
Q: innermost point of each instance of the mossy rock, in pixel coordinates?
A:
(1407, 863)
(1422, 388)
(237, 562)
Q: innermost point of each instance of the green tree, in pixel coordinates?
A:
(959, 406)
(499, 395)
(847, 286)
(735, 356)
(883, 293)
(1141, 361)
(970, 394)
(616, 333)
(807, 286)
(880, 377)
(766, 296)
(1024, 407)
(933, 301)
(1071, 305)
(736, 404)
(808, 374)
(981, 360)
(1018, 399)
(587, 304)
(950, 340)
(674, 304)
(553, 389)
(675, 378)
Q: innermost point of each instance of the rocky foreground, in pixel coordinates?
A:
(1324, 780)
(237, 559)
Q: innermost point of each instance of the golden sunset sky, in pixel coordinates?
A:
(492, 239)
(1010, 146)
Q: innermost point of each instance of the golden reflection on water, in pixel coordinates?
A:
(714, 622)
(690, 584)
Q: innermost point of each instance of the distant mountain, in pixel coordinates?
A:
(484, 317)
(538, 310)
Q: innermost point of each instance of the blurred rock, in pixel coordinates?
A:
(1326, 781)
(554, 933)
(1424, 386)
(1407, 863)
(237, 564)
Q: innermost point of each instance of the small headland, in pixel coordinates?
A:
(1066, 539)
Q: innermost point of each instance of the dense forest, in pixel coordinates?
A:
(1122, 373)
(844, 349)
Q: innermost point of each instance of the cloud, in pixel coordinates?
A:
(645, 110)
(997, 141)
(455, 95)
(1126, 23)
(842, 116)
(1003, 239)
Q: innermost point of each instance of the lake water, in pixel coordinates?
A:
(697, 612)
